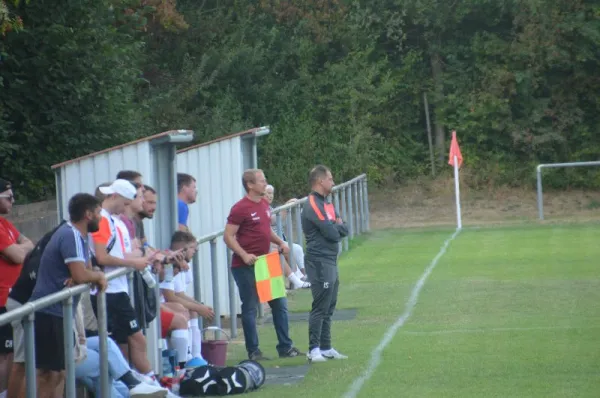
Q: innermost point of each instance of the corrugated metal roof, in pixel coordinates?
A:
(226, 137)
(150, 138)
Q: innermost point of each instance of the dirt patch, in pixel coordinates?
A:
(431, 203)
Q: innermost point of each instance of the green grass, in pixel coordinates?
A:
(510, 312)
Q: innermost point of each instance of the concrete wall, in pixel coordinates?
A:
(35, 219)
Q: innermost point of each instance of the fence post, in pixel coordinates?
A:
(350, 213)
(280, 234)
(366, 204)
(69, 343)
(289, 240)
(298, 219)
(344, 211)
(215, 281)
(232, 306)
(336, 204)
(30, 372)
(356, 202)
(157, 327)
(103, 337)
(131, 290)
(540, 194)
(361, 207)
(197, 287)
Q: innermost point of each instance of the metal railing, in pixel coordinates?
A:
(540, 194)
(351, 195)
(26, 314)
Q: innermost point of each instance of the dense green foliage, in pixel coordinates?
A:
(339, 82)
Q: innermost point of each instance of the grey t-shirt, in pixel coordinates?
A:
(66, 246)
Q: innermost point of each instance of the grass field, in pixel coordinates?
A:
(507, 312)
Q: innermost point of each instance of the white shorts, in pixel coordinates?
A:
(18, 333)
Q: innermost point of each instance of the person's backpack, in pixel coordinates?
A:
(146, 305)
(23, 288)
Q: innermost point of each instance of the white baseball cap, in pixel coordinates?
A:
(120, 187)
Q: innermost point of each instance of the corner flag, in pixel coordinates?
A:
(269, 277)
(456, 161)
(455, 151)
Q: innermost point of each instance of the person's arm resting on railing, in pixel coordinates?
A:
(73, 251)
(101, 239)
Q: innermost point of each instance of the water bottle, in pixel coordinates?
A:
(148, 277)
(168, 272)
(175, 381)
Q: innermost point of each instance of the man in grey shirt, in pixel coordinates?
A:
(65, 258)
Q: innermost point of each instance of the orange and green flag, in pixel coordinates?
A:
(269, 277)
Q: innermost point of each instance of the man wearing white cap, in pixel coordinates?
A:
(110, 252)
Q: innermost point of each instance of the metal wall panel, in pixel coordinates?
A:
(218, 169)
(86, 174)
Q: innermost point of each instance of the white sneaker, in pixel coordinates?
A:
(147, 390)
(315, 356)
(333, 354)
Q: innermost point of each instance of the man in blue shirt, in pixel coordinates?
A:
(186, 194)
(66, 257)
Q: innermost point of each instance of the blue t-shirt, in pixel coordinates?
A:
(182, 212)
(66, 246)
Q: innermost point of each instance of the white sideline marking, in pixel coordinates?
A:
(391, 332)
(496, 330)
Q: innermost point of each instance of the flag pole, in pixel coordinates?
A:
(457, 192)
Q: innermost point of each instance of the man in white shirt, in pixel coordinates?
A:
(112, 250)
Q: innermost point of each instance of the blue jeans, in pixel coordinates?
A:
(88, 371)
(246, 283)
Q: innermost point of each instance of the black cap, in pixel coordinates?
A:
(5, 185)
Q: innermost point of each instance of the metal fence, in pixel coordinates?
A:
(540, 194)
(351, 200)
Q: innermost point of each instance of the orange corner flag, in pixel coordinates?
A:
(455, 151)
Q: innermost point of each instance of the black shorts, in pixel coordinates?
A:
(6, 336)
(49, 342)
(122, 321)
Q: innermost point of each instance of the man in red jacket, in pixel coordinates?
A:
(248, 234)
(14, 246)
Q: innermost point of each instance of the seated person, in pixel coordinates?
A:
(296, 278)
(175, 292)
(87, 370)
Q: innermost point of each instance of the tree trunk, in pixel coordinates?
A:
(440, 135)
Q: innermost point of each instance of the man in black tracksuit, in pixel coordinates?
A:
(324, 230)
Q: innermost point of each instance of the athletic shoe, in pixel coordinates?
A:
(315, 356)
(195, 363)
(291, 353)
(258, 356)
(147, 390)
(333, 354)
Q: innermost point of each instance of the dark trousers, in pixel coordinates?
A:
(246, 283)
(323, 276)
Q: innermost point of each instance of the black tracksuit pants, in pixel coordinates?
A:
(323, 275)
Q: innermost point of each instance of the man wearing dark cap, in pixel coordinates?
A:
(13, 249)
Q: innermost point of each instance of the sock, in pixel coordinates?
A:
(299, 274)
(129, 380)
(179, 343)
(295, 280)
(190, 338)
(151, 375)
(196, 339)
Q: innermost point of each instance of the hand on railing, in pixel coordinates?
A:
(139, 263)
